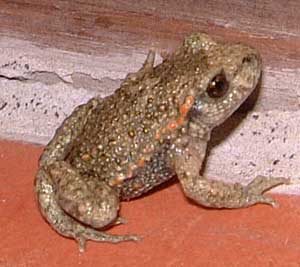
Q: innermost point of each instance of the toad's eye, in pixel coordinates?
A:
(218, 86)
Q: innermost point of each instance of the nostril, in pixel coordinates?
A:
(249, 59)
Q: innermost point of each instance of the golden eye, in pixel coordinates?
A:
(218, 86)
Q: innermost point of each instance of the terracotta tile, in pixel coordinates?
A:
(176, 232)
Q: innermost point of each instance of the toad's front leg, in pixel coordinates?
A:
(217, 194)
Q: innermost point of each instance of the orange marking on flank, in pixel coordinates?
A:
(117, 181)
(180, 120)
(85, 157)
(185, 107)
(172, 125)
(141, 162)
(189, 100)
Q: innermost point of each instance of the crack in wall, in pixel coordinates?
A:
(14, 78)
(45, 77)
(77, 80)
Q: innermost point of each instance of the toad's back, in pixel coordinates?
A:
(129, 132)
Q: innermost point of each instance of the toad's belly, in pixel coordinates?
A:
(156, 171)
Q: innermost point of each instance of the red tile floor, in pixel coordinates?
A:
(175, 232)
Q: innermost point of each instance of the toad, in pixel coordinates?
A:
(155, 126)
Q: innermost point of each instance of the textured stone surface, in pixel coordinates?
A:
(262, 144)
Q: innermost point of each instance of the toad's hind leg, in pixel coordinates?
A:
(87, 199)
(63, 192)
(66, 198)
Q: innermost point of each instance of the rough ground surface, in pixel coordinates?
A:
(175, 231)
